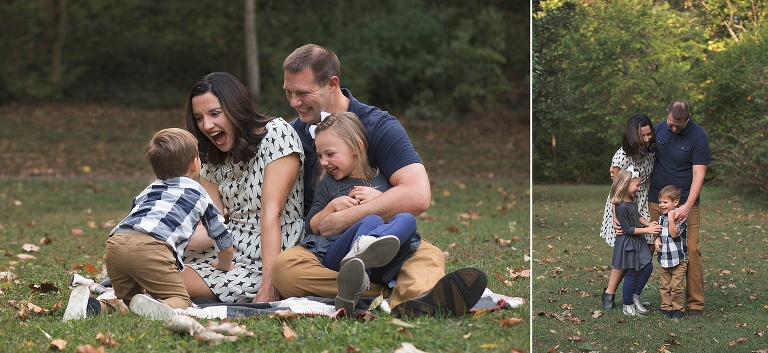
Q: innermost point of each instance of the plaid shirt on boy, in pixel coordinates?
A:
(170, 210)
(673, 250)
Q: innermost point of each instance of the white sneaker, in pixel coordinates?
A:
(150, 308)
(78, 303)
(352, 281)
(375, 252)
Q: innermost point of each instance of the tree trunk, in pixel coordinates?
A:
(62, 24)
(252, 50)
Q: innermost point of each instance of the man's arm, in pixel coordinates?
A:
(699, 170)
(410, 192)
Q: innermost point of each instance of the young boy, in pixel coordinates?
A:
(672, 246)
(144, 251)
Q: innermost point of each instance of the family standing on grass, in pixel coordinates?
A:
(653, 206)
(321, 206)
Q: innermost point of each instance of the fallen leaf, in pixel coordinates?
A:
(91, 224)
(45, 241)
(57, 344)
(109, 224)
(107, 340)
(467, 336)
(288, 332)
(90, 268)
(44, 287)
(597, 313)
(725, 272)
(352, 349)
(26, 257)
(17, 203)
(406, 347)
(30, 247)
(510, 321)
(401, 323)
(214, 338)
(77, 231)
(7, 276)
(285, 315)
(452, 229)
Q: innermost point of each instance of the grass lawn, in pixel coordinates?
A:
(571, 267)
(66, 171)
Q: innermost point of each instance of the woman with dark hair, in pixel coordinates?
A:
(253, 171)
(638, 148)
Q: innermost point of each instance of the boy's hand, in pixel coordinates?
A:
(224, 267)
(657, 242)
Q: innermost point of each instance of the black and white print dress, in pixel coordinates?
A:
(240, 186)
(644, 166)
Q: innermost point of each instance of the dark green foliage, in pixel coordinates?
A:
(597, 63)
(428, 60)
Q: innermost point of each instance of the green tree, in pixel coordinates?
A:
(616, 59)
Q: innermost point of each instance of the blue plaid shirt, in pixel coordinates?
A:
(170, 210)
(673, 250)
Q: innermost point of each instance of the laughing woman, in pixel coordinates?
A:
(253, 170)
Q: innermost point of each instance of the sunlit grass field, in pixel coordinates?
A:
(571, 267)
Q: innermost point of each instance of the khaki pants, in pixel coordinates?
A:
(694, 277)
(296, 272)
(671, 289)
(137, 262)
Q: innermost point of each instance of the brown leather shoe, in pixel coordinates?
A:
(454, 294)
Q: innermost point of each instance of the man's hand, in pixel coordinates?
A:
(682, 213)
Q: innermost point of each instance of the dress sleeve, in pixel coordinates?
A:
(620, 159)
(281, 140)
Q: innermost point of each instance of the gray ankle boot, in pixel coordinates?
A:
(629, 310)
(639, 308)
(608, 302)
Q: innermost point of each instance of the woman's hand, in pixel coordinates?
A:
(266, 294)
(364, 194)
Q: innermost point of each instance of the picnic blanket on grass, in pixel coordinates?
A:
(318, 306)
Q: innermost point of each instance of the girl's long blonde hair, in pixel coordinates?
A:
(620, 185)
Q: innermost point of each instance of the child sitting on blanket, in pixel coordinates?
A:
(347, 180)
(144, 251)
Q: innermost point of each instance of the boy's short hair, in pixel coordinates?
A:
(171, 151)
(670, 191)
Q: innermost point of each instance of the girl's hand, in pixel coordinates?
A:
(364, 194)
(342, 203)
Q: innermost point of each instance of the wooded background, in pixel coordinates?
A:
(446, 60)
(596, 63)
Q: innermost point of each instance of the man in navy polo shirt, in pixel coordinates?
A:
(421, 286)
(682, 157)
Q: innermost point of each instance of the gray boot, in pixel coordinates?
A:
(639, 308)
(608, 302)
(629, 310)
